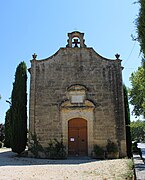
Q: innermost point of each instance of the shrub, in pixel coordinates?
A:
(56, 150)
(111, 147)
(98, 150)
(35, 146)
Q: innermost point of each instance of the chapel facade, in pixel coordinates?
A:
(76, 96)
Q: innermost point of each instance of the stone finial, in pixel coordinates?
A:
(117, 56)
(34, 56)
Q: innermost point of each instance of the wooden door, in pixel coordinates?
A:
(77, 137)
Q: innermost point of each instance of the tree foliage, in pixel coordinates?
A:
(138, 130)
(7, 142)
(127, 121)
(137, 91)
(141, 26)
(19, 110)
(2, 134)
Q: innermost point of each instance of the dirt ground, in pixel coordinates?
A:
(15, 168)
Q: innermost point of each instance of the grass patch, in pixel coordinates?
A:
(130, 172)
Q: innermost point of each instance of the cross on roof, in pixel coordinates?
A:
(34, 56)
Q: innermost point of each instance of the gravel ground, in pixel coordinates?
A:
(15, 168)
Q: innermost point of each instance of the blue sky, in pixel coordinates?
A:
(41, 26)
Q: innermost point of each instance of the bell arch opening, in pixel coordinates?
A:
(76, 39)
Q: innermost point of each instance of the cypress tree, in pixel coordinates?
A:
(127, 122)
(19, 110)
(7, 141)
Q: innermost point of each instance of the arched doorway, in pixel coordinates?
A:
(77, 137)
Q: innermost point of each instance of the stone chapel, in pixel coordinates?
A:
(76, 95)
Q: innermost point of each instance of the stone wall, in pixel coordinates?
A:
(102, 78)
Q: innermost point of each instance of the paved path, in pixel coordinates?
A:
(15, 168)
(139, 167)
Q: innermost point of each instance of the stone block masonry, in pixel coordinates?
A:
(76, 82)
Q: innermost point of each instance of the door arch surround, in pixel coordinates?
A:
(77, 137)
(68, 112)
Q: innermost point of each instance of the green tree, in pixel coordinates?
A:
(137, 130)
(127, 122)
(19, 110)
(2, 132)
(141, 26)
(7, 142)
(137, 91)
